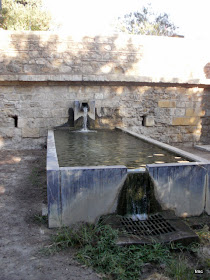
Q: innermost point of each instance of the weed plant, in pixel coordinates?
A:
(41, 219)
(204, 234)
(179, 269)
(97, 248)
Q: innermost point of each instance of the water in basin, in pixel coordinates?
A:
(107, 147)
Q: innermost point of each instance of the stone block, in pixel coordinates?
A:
(36, 122)
(43, 132)
(14, 68)
(59, 121)
(41, 61)
(7, 132)
(180, 187)
(6, 89)
(186, 121)
(107, 47)
(148, 121)
(10, 105)
(54, 198)
(30, 132)
(65, 69)
(22, 122)
(166, 104)
(74, 89)
(56, 113)
(91, 89)
(119, 90)
(180, 104)
(30, 69)
(96, 189)
(47, 104)
(207, 202)
(195, 112)
(99, 96)
(12, 97)
(34, 104)
(26, 97)
(60, 104)
(180, 112)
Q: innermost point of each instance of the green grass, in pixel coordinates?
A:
(97, 248)
(179, 269)
(204, 234)
(41, 219)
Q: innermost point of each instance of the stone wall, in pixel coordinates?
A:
(156, 86)
(118, 58)
(175, 114)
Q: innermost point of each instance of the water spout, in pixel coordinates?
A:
(85, 117)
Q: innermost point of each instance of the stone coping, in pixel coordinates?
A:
(137, 170)
(167, 147)
(171, 164)
(52, 159)
(92, 167)
(102, 78)
(203, 147)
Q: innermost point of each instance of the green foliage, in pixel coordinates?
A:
(192, 248)
(98, 249)
(24, 15)
(41, 219)
(179, 269)
(83, 235)
(204, 234)
(145, 22)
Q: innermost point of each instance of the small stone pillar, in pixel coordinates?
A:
(148, 121)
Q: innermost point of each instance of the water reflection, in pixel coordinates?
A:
(107, 147)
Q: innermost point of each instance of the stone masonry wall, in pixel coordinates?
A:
(49, 56)
(178, 114)
(151, 85)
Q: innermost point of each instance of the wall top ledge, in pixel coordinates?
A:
(102, 78)
(92, 35)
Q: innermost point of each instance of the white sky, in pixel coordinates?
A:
(95, 16)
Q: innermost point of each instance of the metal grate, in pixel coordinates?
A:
(154, 225)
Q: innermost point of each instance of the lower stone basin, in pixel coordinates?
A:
(84, 193)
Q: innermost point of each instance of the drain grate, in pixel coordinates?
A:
(153, 226)
(162, 227)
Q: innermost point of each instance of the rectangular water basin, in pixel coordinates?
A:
(109, 148)
(86, 183)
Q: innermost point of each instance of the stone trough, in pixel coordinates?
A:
(78, 194)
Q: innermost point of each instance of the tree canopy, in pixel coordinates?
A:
(24, 15)
(146, 22)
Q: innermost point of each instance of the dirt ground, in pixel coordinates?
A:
(22, 194)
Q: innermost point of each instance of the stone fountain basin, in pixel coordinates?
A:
(83, 194)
